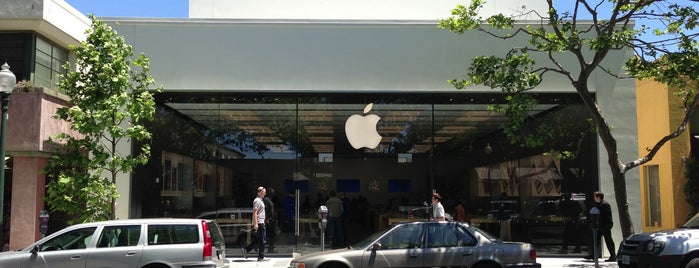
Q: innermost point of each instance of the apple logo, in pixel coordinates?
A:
(361, 129)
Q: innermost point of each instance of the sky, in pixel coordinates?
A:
(180, 8)
(133, 8)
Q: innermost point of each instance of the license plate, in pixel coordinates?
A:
(625, 259)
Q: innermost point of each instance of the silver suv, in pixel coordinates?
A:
(669, 248)
(126, 243)
(232, 221)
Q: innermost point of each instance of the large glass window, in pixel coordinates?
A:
(214, 150)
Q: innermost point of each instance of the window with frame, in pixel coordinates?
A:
(403, 237)
(76, 239)
(48, 64)
(653, 210)
(166, 234)
(464, 238)
(119, 236)
(448, 235)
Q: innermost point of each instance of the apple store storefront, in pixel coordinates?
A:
(387, 152)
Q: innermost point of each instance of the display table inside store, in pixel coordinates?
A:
(488, 224)
(478, 221)
(308, 228)
(547, 229)
(392, 221)
(385, 219)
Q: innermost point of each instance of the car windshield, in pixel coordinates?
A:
(693, 222)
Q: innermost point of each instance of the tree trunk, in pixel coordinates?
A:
(622, 203)
(616, 167)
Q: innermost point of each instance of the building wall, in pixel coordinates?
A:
(356, 56)
(29, 127)
(352, 9)
(54, 19)
(298, 55)
(661, 114)
(616, 98)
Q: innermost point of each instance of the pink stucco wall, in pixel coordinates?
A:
(30, 123)
(29, 127)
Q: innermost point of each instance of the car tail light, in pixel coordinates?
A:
(532, 255)
(208, 243)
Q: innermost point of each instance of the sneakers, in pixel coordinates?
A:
(244, 252)
(611, 259)
(262, 259)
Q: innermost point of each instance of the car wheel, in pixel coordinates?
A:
(694, 263)
(487, 265)
(333, 265)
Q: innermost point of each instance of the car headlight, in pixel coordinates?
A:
(297, 265)
(655, 245)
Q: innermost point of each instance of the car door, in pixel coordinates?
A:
(449, 244)
(399, 247)
(65, 250)
(117, 246)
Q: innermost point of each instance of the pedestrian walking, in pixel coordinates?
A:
(270, 220)
(258, 225)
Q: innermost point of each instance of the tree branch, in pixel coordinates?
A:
(681, 128)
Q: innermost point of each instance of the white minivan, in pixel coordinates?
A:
(126, 243)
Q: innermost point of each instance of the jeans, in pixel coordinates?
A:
(335, 231)
(260, 240)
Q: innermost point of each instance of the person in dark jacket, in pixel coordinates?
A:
(289, 215)
(605, 226)
(270, 219)
(570, 210)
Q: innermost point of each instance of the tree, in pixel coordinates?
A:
(672, 59)
(109, 102)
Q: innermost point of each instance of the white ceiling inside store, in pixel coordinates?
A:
(408, 126)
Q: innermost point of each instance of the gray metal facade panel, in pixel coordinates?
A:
(339, 56)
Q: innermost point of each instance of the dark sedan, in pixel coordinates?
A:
(426, 244)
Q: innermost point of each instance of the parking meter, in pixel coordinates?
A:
(594, 225)
(323, 217)
(43, 222)
(322, 224)
(594, 218)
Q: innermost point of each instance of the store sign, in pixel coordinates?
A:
(361, 129)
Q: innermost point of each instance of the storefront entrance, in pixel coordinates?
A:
(211, 151)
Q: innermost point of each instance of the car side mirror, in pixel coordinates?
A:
(376, 246)
(35, 249)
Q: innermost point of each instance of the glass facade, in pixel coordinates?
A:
(212, 150)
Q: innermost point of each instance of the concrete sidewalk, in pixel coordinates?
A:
(546, 262)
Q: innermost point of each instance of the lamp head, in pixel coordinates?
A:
(7, 79)
(488, 149)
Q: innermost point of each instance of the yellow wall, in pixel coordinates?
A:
(659, 113)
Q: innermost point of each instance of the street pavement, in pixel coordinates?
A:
(546, 262)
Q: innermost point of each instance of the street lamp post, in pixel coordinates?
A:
(7, 84)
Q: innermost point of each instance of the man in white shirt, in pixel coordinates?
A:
(258, 225)
(438, 213)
